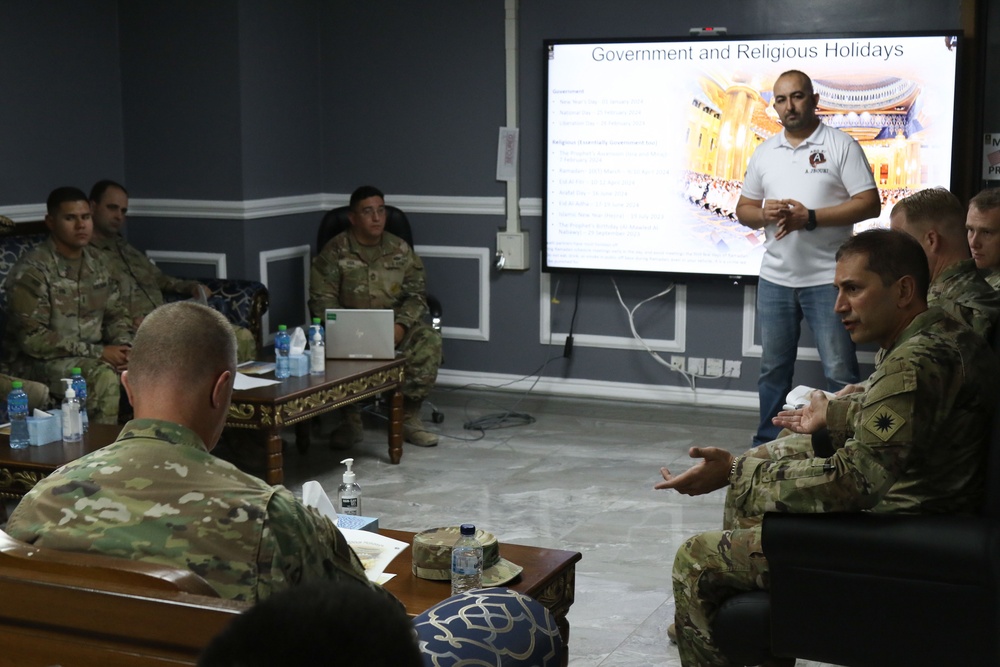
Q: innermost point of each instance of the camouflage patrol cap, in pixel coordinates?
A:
(432, 556)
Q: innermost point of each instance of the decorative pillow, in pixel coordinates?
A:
(491, 626)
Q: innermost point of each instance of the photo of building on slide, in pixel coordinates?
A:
(902, 137)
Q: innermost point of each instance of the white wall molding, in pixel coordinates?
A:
(482, 256)
(601, 389)
(217, 260)
(303, 252)
(676, 344)
(273, 207)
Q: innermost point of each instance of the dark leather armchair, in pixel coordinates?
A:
(335, 221)
(866, 589)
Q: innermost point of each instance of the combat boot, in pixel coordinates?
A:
(414, 431)
(350, 431)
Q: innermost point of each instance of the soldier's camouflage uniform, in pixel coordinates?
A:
(348, 275)
(961, 292)
(916, 443)
(157, 495)
(992, 277)
(142, 285)
(61, 314)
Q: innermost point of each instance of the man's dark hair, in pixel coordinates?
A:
(364, 192)
(891, 255)
(100, 187)
(60, 196)
(986, 200)
(343, 623)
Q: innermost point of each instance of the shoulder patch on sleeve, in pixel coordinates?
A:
(884, 423)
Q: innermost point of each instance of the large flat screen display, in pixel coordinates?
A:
(648, 140)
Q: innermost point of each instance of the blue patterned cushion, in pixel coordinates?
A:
(243, 302)
(492, 626)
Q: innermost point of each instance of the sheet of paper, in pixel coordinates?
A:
(375, 551)
(256, 367)
(247, 382)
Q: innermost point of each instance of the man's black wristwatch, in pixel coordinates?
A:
(811, 225)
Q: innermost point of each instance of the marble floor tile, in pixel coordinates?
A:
(579, 477)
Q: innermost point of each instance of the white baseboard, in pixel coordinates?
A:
(721, 398)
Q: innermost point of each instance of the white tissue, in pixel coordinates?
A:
(314, 496)
(298, 341)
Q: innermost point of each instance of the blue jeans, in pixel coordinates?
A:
(780, 311)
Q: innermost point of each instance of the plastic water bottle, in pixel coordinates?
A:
(317, 355)
(282, 343)
(80, 387)
(466, 562)
(17, 409)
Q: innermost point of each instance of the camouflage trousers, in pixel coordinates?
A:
(103, 386)
(422, 349)
(38, 393)
(712, 567)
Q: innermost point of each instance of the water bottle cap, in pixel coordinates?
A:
(282, 327)
(16, 384)
(76, 371)
(315, 320)
(468, 529)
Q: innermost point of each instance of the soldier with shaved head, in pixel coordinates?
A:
(157, 494)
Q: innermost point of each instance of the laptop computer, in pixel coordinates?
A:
(355, 333)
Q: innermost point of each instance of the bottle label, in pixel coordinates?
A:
(349, 506)
(466, 562)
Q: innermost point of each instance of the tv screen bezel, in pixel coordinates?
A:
(715, 38)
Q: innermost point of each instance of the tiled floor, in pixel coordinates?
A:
(580, 477)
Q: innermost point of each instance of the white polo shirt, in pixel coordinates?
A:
(826, 169)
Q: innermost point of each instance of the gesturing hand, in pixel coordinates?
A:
(709, 474)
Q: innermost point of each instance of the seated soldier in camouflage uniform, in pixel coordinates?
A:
(936, 219)
(65, 311)
(917, 442)
(368, 267)
(982, 225)
(141, 282)
(157, 494)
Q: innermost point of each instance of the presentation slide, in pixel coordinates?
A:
(648, 142)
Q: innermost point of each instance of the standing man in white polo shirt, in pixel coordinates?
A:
(806, 187)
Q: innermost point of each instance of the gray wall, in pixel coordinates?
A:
(231, 102)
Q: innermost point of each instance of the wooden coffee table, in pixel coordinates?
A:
(21, 469)
(549, 576)
(297, 399)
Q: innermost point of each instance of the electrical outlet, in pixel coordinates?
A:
(696, 365)
(713, 367)
(514, 247)
(732, 368)
(677, 361)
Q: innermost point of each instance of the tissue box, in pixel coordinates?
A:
(45, 429)
(299, 364)
(352, 522)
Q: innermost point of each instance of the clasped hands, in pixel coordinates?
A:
(790, 215)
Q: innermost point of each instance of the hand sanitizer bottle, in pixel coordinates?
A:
(72, 426)
(349, 493)
(317, 355)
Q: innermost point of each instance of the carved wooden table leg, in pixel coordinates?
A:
(273, 462)
(396, 426)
